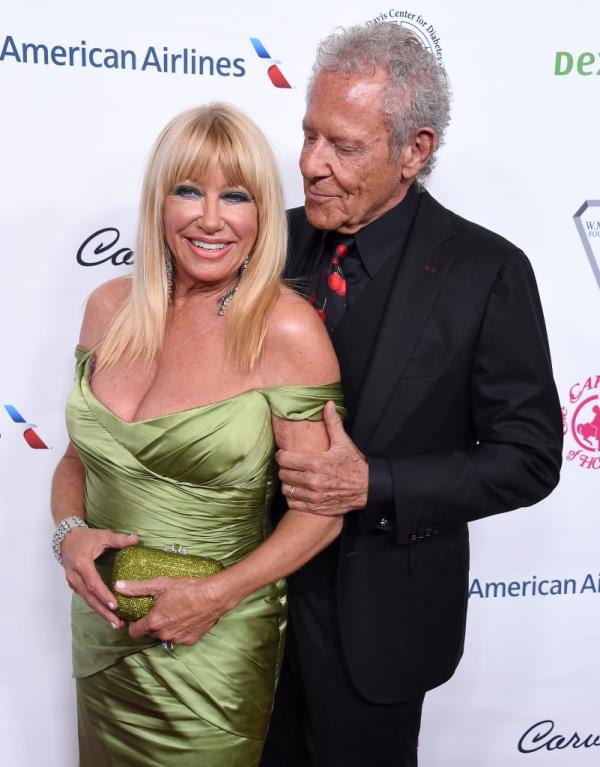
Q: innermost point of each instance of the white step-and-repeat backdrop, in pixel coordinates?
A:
(85, 89)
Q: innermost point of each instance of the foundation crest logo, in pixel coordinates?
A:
(421, 27)
(587, 221)
(581, 422)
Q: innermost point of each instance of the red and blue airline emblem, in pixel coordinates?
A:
(275, 74)
(32, 438)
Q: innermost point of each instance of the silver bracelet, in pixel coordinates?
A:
(62, 529)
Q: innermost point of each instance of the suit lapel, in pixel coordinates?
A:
(418, 280)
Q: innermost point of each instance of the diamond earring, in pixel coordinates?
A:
(170, 271)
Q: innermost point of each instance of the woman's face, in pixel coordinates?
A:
(210, 228)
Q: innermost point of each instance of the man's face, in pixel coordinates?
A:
(350, 179)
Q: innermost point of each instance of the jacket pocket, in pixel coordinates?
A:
(432, 364)
(438, 557)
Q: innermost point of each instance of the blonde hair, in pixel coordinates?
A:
(189, 147)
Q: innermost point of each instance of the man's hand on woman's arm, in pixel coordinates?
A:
(329, 483)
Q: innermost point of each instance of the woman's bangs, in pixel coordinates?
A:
(210, 148)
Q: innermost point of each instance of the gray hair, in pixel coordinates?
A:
(418, 92)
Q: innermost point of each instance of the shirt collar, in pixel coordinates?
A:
(387, 235)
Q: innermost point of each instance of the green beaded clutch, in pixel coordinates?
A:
(136, 563)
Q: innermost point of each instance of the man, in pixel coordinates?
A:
(452, 410)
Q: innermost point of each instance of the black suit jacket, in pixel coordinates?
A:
(446, 372)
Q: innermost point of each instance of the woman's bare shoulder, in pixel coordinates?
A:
(297, 346)
(101, 307)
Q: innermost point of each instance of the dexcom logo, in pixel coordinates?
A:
(273, 71)
(583, 64)
(30, 436)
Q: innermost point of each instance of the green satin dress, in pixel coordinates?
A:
(203, 478)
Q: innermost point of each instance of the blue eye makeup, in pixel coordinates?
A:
(186, 191)
(237, 196)
(232, 196)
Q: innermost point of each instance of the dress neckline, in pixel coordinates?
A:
(88, 393)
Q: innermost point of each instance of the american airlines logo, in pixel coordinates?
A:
(274, 73)
(30, 436)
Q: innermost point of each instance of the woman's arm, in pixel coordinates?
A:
(81, 546)
(68, 483)
(298, 537)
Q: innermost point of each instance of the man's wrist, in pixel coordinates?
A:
(365, 484)
(379, 510)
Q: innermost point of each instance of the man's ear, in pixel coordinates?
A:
(415, 155)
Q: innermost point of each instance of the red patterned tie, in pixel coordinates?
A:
(329, 296)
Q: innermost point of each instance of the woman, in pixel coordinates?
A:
(189, 376)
